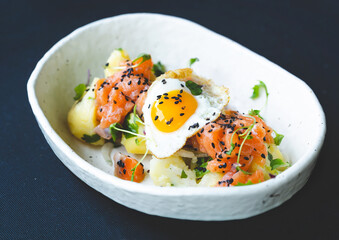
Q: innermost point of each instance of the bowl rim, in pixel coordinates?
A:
(111, 180)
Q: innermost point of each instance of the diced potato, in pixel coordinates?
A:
(114, 60)
(274, 150)
(210, 179)
(82, 116)
(135, 145)
(171, 171)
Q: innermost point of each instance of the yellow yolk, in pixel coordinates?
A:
(172, 110)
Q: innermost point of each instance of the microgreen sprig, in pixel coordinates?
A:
(135, 167)
(192, 61)
(126, 131)
(247, 136)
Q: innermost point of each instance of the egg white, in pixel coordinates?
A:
(210, 103)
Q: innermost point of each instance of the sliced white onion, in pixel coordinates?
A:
(103, 132)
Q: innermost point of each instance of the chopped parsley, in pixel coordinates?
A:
(158, 69)
(91, 138)
(192, 61)
(277, 163)
(249, 182)
(114, 131)
(183, 174)
(194, 88)
(79, 91)
(278, 138)
(131, 124)
(201, 170)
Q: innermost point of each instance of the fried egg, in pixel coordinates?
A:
(172, 113)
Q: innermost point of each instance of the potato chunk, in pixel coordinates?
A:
(82, 116)
(171, 171)
(114, 60)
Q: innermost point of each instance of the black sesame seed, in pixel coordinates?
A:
(246, 158)
(121, 164)
(182, 114)
(263, 155)
(170, 121)
(156, 118)
(213, 146)
(161, 102)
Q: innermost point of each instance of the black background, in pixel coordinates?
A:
(41, 199)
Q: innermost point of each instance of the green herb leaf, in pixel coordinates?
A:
(253, 112)
(131, 125)
(249, 182)
(277, 163)
(194, 88)
(91, 138)
(144, 57)
(270, 157)
(114, 131)
(193, 60)
(202, 163)
(278, 138)
(118, 49)
(256, 90)
(183, 174)
(158, 69)
(79, 91)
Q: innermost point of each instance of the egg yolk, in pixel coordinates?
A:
(171, 110)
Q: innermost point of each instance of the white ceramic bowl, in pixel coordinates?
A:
(292, 110)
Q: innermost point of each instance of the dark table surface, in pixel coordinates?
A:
(41, 199)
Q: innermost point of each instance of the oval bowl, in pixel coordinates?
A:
(174, 41)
